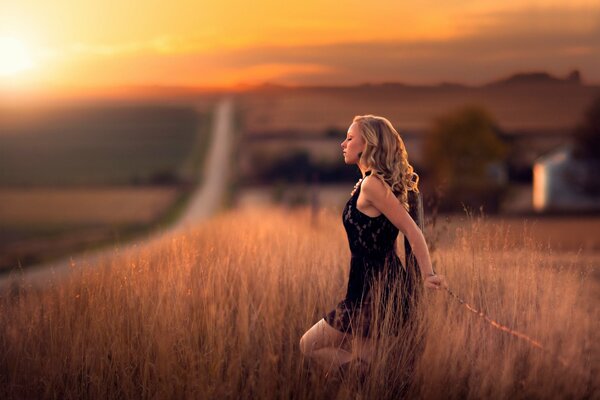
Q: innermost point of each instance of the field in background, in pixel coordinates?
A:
(293, 135)
(219, 311)
(41, 224)
(516, 106)
(98, 144)
(561, 233)
(74, 177)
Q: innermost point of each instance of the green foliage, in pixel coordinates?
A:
(334, 132)
(587, 149)
(297, 165)
(461, 151)
(462, 145)
(587, 133)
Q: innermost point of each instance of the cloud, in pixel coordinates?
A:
(494, 44)
(503, 43)
(163, 44)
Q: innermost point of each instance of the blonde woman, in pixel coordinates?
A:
(373, 216)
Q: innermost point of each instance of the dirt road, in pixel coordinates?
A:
(204, 203)
(207, 200)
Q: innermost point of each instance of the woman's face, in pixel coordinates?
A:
(353, 144)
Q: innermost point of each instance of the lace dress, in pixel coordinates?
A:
(374, 264)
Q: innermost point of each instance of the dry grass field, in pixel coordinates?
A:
(41, 223)
(570, 233)
(554, 233)
(218, 312)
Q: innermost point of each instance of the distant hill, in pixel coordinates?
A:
(520, 78)
(165, 93)
(525, 101)
(574, 77)
(522, 101)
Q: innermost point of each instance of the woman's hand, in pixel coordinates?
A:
(435, 282)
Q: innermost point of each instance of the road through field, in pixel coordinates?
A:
(207, 200)
(204, 203)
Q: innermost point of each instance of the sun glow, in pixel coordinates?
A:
(14, 56)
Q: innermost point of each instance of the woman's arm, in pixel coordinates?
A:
(378, 194)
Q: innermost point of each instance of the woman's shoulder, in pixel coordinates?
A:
(375, 176)
(375, 185)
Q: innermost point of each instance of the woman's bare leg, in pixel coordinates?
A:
(323, 343)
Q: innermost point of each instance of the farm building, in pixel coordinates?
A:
(562, 182)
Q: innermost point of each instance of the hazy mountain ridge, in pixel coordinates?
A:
(522, 101)
(520, 78)
(573, 78)
(186, 93)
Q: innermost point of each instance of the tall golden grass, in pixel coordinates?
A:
(218, 312)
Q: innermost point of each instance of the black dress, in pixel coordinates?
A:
(373, 262)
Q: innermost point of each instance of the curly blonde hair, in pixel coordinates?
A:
(385, 155)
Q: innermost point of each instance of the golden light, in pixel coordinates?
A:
(14, 56)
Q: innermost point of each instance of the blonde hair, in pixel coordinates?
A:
(386, 156)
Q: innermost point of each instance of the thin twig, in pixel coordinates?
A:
(505, 328)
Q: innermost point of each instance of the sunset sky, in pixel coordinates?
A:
(95, 44)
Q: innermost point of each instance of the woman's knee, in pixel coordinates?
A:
(308, 342)
(318, 336)
(304, 348)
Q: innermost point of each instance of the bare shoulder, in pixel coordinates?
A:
(380, 196)
(374, 187)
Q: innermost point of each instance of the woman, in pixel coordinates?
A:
(373, 217)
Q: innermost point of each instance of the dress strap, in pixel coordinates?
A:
(359, 183)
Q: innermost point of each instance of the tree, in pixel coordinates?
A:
(587, 133)
(461, 154)
(586, 151)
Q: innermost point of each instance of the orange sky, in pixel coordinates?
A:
(93, 44)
